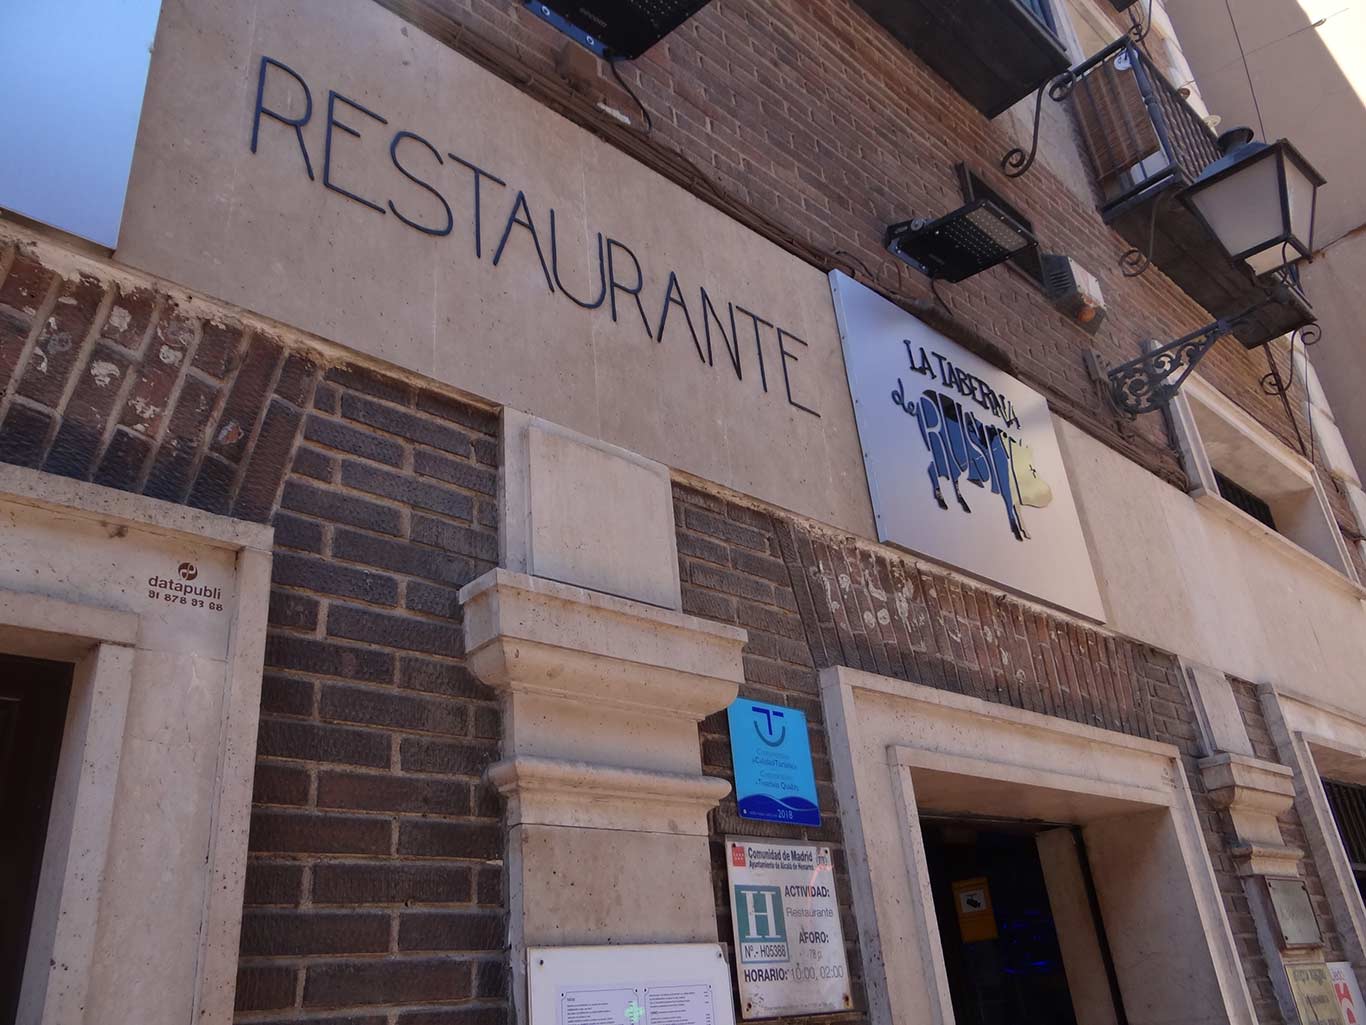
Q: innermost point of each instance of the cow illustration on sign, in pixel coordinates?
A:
(962, 446)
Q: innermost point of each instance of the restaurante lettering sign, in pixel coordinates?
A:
(437, 191)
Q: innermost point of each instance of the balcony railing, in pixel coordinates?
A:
(1139, 131)
(1146, 145)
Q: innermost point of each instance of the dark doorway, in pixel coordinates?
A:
(1000, 945)
(33, 700)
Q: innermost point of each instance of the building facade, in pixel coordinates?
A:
(1237, 55)
(458, 429)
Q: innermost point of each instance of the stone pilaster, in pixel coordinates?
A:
(1255, 792)
(606, 800)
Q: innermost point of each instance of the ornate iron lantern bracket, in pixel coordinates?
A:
(1149, 382)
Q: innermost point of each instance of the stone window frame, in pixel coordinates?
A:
(947, 734)
(1315, 541)
(101, 642)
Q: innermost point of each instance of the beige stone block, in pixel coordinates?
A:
(901, 750)
(1176, 574)
(1255, 792)
(255, 229)
(578, 728)
(607, 803)
(1068, 899)
(577, 886)
(586, 513)
(1216, 711)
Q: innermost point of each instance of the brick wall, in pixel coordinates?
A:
(732, 570)
(374, 891)
(805, 120)
(812, 598)
(375, 878)
(123, 386)
(375, 882)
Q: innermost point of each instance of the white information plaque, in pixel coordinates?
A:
(638, 984)
(789, 948)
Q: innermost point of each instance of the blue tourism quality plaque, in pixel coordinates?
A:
(774, 780)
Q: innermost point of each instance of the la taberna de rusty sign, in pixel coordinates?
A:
(962, 459)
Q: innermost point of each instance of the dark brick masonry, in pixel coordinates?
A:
(374, 893)
(812, 598)
(375, 884)
(376, 875)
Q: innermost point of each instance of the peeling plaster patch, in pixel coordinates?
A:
(119, 318)
(231, 433)
(170, 356)
(67, 300)
(145, 409)
(868, 620)
(103, 372)
(883, 617)
(39, 362)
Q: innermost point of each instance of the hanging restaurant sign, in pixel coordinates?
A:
(962, 459)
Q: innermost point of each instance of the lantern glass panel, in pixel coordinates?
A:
(1243, 208)
(1301, 188)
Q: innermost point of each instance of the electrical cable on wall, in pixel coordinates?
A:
(858, 260)
(1252, 90)
(649, 121)
(934, 289)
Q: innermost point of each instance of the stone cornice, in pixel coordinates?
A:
(552, 791)
(529, 635)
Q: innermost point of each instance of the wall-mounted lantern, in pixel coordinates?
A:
(1258, 201)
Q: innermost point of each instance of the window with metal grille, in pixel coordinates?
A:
(1348, 801)
(1239, 496)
